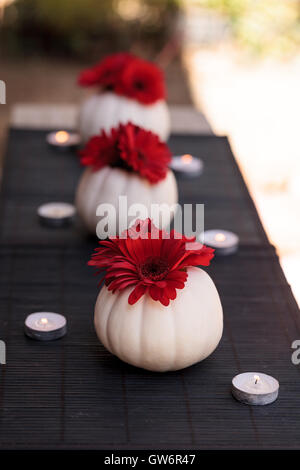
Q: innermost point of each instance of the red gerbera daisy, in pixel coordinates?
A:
(142, 81)
(127, 75)
(144, 152)
(130, 147)
(107, 72)
(100, 151)
(150, 263)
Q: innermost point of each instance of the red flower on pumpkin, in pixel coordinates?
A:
(144, 152)
(100, 151)
(129, 147)
(148, 262)
(107, 72)
(142, 81)
(126, 75)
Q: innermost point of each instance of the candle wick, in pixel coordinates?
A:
(256, 378)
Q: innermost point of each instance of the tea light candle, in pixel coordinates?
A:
(187, 165)
(56, 214)
(45, 326)
(63, 139)
(255, 388)
(223, 241)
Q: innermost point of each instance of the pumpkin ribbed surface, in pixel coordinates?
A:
(154, 337)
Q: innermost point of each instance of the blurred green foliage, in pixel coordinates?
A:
(89, 28)
(84, 27)
(264, 26)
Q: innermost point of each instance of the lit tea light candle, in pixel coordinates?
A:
(45, 326)
(56, 214)
(253, 388)
(63, 139)
(223, 241)
(187, 165)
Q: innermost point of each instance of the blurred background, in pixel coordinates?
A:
(237, 61)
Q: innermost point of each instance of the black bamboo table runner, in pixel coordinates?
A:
(72, 393)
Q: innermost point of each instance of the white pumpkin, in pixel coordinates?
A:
(158, 338)
(106, 185)
(107, 110)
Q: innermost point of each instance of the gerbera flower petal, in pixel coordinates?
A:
(156, 267)
(120, 285)
(136, 294)
(170, 292)
(155, 292)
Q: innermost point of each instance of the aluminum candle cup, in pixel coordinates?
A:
(63, 139)
(187, 166)
(255, 388)
(45, 326)
(223, 241)
(56, 214)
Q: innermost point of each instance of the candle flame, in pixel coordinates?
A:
(42, 322)
(62, 137)
(220, 237)
(186, 159)
(257, 379)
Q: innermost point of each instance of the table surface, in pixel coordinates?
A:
(72, 393)
(184, 118)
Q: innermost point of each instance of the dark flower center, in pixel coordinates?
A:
(155, 269)
(139, 85)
